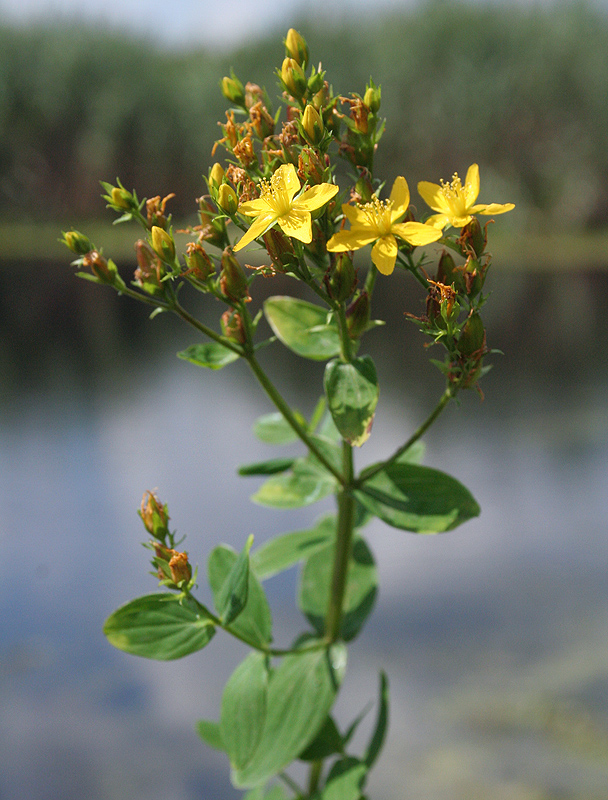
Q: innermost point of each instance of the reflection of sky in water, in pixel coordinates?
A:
(509, 612)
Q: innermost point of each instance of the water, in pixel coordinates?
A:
(493, 636)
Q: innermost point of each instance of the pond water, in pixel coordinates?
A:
(493, 636)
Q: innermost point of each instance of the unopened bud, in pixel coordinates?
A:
(216, 175)
(233, 90)
(473, 336)
(227, 199)
(280, 249)
(77, 242)
(180, 568)
(293, 77)
(357, 316)
(312, 125)
(198, 261)
(445, 268)
(233, 281)
(102, 269)
(232, 326)
(163, 243)
(154, 515)
(121, 198)
(372, 96)
(342, 279)
(296, 47)
(473, 238)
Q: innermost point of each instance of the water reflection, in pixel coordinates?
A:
(494, 636)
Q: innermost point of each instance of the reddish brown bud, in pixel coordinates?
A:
(198, 261)
(233, 281)
(232, 326)
(180, 568)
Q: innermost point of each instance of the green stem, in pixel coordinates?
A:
(449, 393)
(411, 267)
(315, 776)
(344, 537)
(200, 326)
(286, 411)
(291, 783)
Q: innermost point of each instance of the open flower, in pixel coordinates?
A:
(377, 222)
(455, 203)
(278, 203)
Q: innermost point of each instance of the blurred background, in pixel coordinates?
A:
(494, 636)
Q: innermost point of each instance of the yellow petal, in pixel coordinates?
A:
(252, 208)
(355, 215)
(400, 198)
(259, 226)
(297, 224)
(353, 239)
(471, 184)
(433, 196)
(498, 208)
(288, 177)
(384, 254)
(417, 233)
(438, 221)
(316, 196)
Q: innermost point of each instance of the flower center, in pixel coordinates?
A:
(378, 215)
(455, 196)
(275, 193)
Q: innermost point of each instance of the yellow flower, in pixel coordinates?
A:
(278, 203)
(455, 202)
(378, 222)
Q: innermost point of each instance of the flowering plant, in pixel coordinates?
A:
(278, 190)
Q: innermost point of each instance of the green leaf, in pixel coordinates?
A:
(345, 780)
(305, 484)
(254, 623)
(160, 626)
(273, 428)
(271, 467)
(352, 394)
(209, 732)
(361, 588)
(327, 742)
(274, 793)
(284, 551)
(418, 499)
(300, 693)
(232, 597)
(209, 354)
(303, 327)
(244, 709)
(379, 734)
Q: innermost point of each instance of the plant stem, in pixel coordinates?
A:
(314, 776)
(344, 537)
(448, 394)
(200, 326)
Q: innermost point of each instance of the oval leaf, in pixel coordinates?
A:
(209, 354)
(160, 626)
(274, 429)
(345, 780)
(303, 327)
(232, 597)
(301, 692)
(305, 484)
(244, 709)
(352, 395)
(361, 588)
(254, 623)
(419, 499)
(284, 551)
(209, 732)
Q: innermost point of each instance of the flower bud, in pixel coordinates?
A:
(77, 242)
(296, 47)
(293, 78)
(445, 268)
(163, 243)
(473, 238)
(312, 125)
(121, 198)
(199, 263)
(102, 269)
(233, 281)
(342, 279)
(262, 120)
(227, 199)
(371, 98)
(231, 323)
(280, 250)
(180, 568)
(311, 166)
(216, 175)
(473, 336)
(357, 316)
(212, 230)
(154, 515)
(233, 90)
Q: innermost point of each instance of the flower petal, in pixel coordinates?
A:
(288, 177)
(353, 239)
(471, 184)
(356, 215)
(259, 226)
(252, 208)
(400, 198)
(315, 197)
(417, 233)
(297, 224)
(433, 196)
(438, 221)
(498, 208)
(384, 254)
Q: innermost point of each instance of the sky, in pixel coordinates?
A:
(191, 21)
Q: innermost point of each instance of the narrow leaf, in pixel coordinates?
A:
(379, 734)
(417, 498)
(209, 732)
(271, 467)
(160, 626)
(232, 597)
(284, 551)
(209, 354)
(244, 709)
(303, 327)
(352, 395)
(255, 621)
(327, 742)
